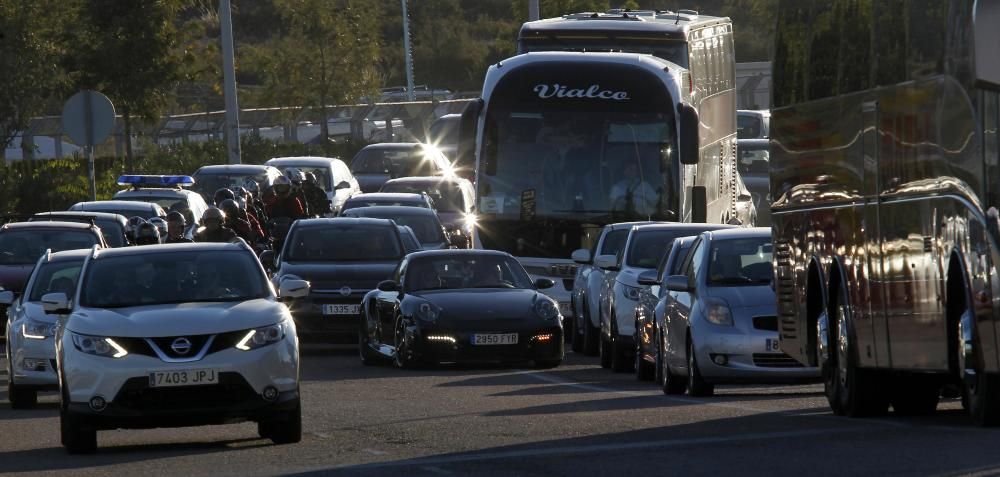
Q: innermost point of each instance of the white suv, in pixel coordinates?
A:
(176, 335)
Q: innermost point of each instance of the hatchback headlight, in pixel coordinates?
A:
(260, 337)
(98, 346)
(546, 309)
(37, 330)
(632, 293)
(717, 312)
(428, 311)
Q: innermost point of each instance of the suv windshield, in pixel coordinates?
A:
(465, 271)
(648, 247)
(447, 197)
(740, 262)
(179, 277)
(344, 243)
(23, 247)
(206, 183)
(55, 277)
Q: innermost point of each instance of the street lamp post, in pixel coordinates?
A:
(232, 128)
(409, 53)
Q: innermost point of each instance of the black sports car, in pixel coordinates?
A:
(461, 306)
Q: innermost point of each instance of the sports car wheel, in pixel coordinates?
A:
(403, 357)
(368, 356)
(696, 384)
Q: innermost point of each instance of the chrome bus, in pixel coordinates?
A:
(885, 185)
(567, 142)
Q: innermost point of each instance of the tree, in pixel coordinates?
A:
(129, 51)
(32, 49)
(327, 55)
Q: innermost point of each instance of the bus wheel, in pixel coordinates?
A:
(981, 390)
(851, 390)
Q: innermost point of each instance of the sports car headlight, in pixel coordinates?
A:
(260, 337)
(98, 346)
(717, 312)
(632, 293)
(428, 311)
(37, 330)
(546, 309)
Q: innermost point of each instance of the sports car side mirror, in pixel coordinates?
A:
(293, 288)
(388, 286)
(55, 304)
(6, 297)
(647, 278)
(581, 256)
(677, 283)
(543, 283)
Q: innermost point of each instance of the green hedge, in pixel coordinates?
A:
(27, 187)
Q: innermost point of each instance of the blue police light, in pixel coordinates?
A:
(155, 181)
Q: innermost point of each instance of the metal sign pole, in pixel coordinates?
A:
(229, 80)
(90, 173)
(88, 112)
(408, 55)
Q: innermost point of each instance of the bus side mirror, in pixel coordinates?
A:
(465, 152)
(699, 204)
(689, 123)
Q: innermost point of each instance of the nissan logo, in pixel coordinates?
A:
(181, 346)
(345, 291)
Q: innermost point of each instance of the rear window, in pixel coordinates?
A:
(55, 277)
(425, 227)
(344, 243)
(395, 162)
(207, 183)
(23, 247)
(647, 247)
(166, 203)
(322, 174)
(737, 262)
(447, 197)
(355, 203)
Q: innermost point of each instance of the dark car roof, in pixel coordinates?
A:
(388, 196)
(427, 180)
(458, 251)
(68, 255)
(343, 220)
(232, 168)
(83, 214)
(172, 248)
(682, 226)
(382, 210)
(740, 232)
(48, 224)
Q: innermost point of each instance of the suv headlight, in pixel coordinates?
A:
(717, 312)
(37, 330)
(98, 346)
(632, 293)
(546, 309)
(428, 311)
(260, 337)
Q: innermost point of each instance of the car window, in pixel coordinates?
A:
(427, 228)
(409, 239)
(166, 203)
(465, 271)
(344, 243)
(745, 261)
(648, 246)
(322, 174)
(690, 268)
(55, 277)
(613, 242)
(447, 196)
(207, 183)
(24, 247)
(675, 266)
(180, 277)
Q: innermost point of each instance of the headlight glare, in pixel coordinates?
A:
(260, 337)
(37, 330)
(99, 346)
(546, 309)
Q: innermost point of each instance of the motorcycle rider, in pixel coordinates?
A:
(176, 224)
(222, 194)
(214, 228)
(161, 226)
(235, 219)
(282, 203)
(315, 196)
(147, 234)
(133, 224)
(295, 175)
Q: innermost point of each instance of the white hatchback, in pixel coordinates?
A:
(176, 335)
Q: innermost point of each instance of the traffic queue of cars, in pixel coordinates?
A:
(687, 305)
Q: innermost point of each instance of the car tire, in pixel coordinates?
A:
(287, 430)
(577, 339)
(547, 363)
(850, 390)
(670, 383)
(77, 437)
(403, 357)
(19, 397)
(696, 385)
(915, 396)
(368, 356)
(605, 351)
(980, 390)
(591, 334)
(644, 370)
(621, 361)
(658, 366)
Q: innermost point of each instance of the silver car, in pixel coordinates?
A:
(31, 348)
(720, 317)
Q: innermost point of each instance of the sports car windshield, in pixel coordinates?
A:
(344, 243)
(23, 247)
(55, 277)
(180, 277)
(736, 262)
(465, 271)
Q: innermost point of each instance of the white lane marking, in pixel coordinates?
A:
(375, 452)
(599, 448)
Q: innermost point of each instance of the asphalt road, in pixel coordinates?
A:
(574, 420)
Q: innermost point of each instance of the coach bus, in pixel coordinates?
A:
(567, 142)
(885, 185)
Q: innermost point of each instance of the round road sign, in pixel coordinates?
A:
(88, 118)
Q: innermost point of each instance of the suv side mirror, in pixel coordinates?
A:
(607, 262)
(647, 278)
(267, 260)
(677, 283)
(581, 256)
(543, 283)
(388, 286)
(55, 304)
(293, 288)
(342, 185)
(6, 298)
